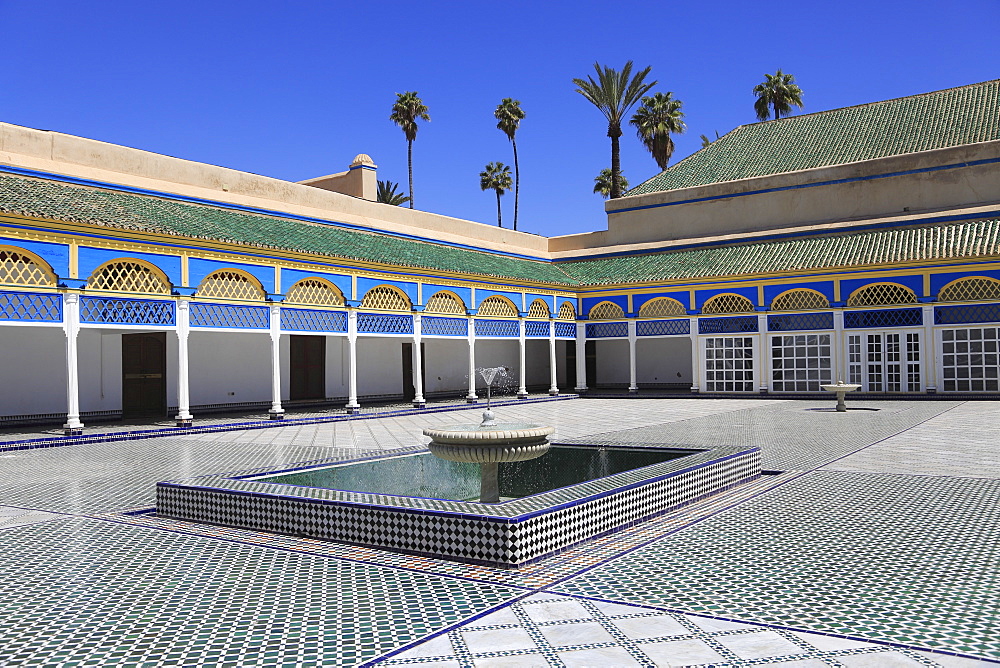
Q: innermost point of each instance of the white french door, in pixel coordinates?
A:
(885, 361)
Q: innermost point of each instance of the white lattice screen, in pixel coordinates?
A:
(227, 284)
(882, 294)
(498, 307)
(445, 302)
(660, 307)
(18, 269)
(127, 276)
(314, 291)
(799, 300)
(728, 303)
(977, 289)
(385, 298)
(606, 311)
(538, 309)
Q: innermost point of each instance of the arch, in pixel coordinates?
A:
(728, 302)
(970, 289)
(445, 302)
(567, 311)
(606, 311)
(799, 299)
(882, 294)
(661, 306)
(316, 291)
(386, 298)
(538, 309)
(497, 306)
(21, 267)
(129, 275)
(231, 284)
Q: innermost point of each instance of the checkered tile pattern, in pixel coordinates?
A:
(470, 536)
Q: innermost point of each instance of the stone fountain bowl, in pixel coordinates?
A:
(480, 444)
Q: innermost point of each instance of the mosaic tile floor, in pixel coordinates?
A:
(879, 547)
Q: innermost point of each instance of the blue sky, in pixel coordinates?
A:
(294, 90)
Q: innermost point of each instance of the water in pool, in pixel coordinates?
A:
(426, 476)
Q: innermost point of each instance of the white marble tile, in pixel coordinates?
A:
(759, 645)
(829, 643)
(497, 640)
(713, 625)
(519, 661)
(890, 659)
(576, 634)
(601, 657)
(680, 653)
(556, 611)
(651, 627)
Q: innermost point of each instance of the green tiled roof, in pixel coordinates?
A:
(47, 199)
(941, 119)
(872, 248)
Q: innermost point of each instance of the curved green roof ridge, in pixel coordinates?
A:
(951, 117)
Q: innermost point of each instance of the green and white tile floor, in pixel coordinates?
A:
(879, 546)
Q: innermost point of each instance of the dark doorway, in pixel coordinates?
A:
(144, 375)
(591, 351)
(307, 367)
(570, 365)
(409, 392)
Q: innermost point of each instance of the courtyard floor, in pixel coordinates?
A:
(873, 541)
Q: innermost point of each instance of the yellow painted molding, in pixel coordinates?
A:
(74, 260)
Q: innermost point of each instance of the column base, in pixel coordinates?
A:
(472, 400)
(763, 390)
(553, 393)
(73, 430)
(419, 404)
(275, 415)
(580, 390)
(633, 390)
(695, 390)
(931, 389)
(522, 395)
(184, 423)
(353, 410)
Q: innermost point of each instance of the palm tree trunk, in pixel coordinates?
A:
(517, 182)
(775, 112)
(616, 169)
(499, 221)
(409, 161)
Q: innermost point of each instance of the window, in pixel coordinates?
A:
(729, 364)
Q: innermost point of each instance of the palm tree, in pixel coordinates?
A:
(509, 115)
(778, 91)
(387, 194)
(496, 177)
(614, 93)
(705, 141)
(405, 112)
(602, 183)
(658, 117)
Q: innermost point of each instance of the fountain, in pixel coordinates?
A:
(483, 494)
(841, 389)
(490, 443)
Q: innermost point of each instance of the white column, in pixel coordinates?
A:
(352, 362)
(184, 417)
(633, 385)
(276, 412)
(581, 357)
(553, 376)
(472, 397)
(71, 328)
(839, 345)
(695, 358)
(522, 390)
(764, 366)
(928, 351)
(418, 376)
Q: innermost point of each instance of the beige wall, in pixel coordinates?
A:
(801, 207)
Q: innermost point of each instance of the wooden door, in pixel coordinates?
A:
(307, 367)
(144, 375)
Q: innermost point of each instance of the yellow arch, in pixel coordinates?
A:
(118, 276)
(881, 294)
(311, 295)
(542, 310)
(446, 296)
(380, 298)
(653, 308)
(567, 311)
(606, 310)
(970, 289)
(249, 288)
(727, 302)
(498, 310)
(41, 271)
(816, 298)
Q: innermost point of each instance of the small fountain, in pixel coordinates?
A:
(841, 389)
(489, 443)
